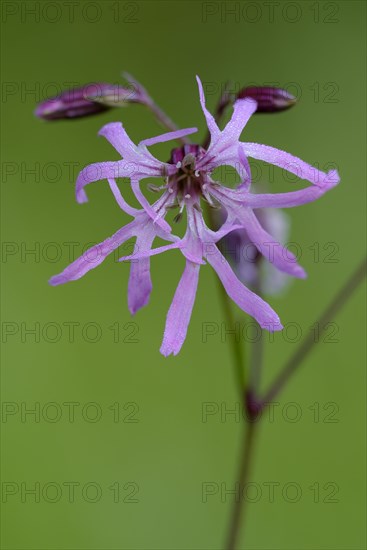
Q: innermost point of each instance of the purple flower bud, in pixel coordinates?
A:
(87, 100)
(72, 103)
(269, 100)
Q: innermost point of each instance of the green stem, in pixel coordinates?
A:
(257, 352)
(238, 351)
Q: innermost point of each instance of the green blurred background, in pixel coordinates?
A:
(137, 452)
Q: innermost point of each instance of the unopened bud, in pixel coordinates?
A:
(269, 100)
(87, 100)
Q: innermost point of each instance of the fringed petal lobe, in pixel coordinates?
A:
(179, 313)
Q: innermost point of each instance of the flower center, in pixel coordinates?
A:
(188, 181)
(188, 185)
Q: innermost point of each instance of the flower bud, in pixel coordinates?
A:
(269, 100)
(87, 100)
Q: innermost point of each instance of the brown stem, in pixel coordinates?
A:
(238, 514)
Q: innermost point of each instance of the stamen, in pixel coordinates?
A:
(207, 198)
(187, 196)
(179, 164)
(155, 188)
(205, 194)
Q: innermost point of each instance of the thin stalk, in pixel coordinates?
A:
(238, 351)
(308, 343)
(238, 515)
(250, 405)
(257, 352)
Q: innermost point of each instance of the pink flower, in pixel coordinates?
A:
(187, 181)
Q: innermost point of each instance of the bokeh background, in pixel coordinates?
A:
(138, 455)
